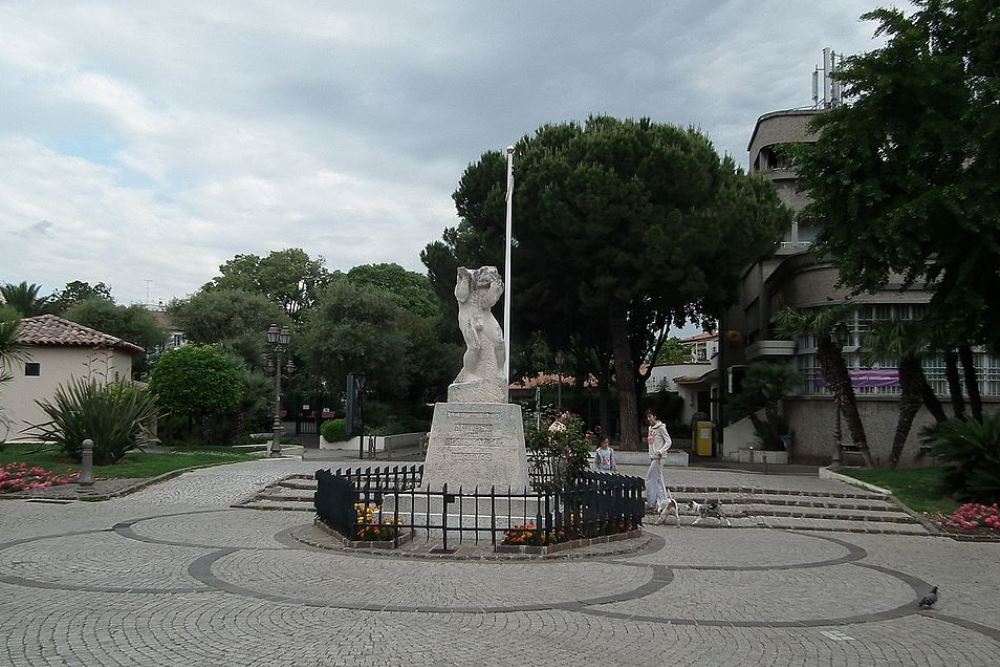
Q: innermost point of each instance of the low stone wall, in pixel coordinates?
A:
(383, 443)
(811, 419)
(674, 459)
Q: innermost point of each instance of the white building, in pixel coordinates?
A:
(694, 380)
(56, 351)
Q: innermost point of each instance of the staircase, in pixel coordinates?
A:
(851, 511)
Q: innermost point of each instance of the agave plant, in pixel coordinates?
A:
(113, 415)
(970, 450)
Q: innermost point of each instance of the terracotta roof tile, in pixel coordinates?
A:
(52, 330)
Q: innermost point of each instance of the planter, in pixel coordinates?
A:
(365, 544)
(534, 550)
(765, 456)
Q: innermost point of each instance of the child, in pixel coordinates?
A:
(604, 457)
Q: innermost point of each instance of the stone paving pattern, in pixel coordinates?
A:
(172, 575)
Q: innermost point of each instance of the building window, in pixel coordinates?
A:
(178, 339)
(33, 368)
(859, 323)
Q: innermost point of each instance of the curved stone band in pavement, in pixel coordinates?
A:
(176, 578)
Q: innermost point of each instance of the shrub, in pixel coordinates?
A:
(972, 518)
(22, 477)
(335, 430)
(196, 380)
(970, 451)
(112, 415)
(568, 447)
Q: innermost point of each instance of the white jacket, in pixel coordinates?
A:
(659, 440)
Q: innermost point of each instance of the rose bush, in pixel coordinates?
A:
(16, 477)
(972, 518)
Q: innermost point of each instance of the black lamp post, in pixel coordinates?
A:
(840, 337)
(277, 343)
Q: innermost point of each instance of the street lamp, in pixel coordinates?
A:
(278, 339)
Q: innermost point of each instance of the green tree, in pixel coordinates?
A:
(134, 324)
(764, 387)
(905, 343)
(24, 298)
(412, 290)
(623, 227)
(905, 180)
(357, 329)
(822, 324)
(76, 292)
(289, 278)
(673, 352)
(10, 352)
(235, 320)
(196, 382)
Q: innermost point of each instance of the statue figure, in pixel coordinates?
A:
(477, 291)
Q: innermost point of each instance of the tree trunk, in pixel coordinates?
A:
(838, 379)
(954, 384)
(604, 396)
(930, 399)
(628, 411)
(971, 381)
(910, 376)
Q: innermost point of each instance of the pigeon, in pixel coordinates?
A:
(928, 600)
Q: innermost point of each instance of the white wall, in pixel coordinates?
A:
(671, 372)
(57, 366)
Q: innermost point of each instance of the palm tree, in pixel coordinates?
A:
(24, 298)
(10, 351)
(823, 324)
(905, 342)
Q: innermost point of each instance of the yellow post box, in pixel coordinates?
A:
(703, 438)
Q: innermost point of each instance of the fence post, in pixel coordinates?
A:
(87, 468)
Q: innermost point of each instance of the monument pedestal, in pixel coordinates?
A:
(476, 444)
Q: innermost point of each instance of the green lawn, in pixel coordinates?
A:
(918, 488)
(135, 464)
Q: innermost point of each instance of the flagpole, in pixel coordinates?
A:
(506, 268)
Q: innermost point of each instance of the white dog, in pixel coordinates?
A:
(669, 506)
(712, 509)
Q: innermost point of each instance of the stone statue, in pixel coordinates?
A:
(477, 437)
(482, 378)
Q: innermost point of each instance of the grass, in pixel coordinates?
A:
(918, 488)
(134, 464)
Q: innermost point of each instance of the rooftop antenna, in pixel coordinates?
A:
(831, 96)
(148, 283)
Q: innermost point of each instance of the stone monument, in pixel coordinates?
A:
(477, 437)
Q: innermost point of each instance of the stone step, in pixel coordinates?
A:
(712, 491)
(278, 505)
(793, 501)
(818, 513)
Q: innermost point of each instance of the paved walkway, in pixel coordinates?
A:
(173, 576)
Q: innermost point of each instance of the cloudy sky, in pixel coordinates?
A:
(152, 141)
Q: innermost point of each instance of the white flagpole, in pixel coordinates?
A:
(506, 267)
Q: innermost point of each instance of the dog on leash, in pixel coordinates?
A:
(666, 508)
(710, 509)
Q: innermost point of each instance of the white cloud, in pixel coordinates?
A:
(156, 140)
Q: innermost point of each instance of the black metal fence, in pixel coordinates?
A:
(387, 503)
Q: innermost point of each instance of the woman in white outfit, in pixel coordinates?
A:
(659, 443)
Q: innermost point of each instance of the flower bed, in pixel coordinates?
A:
(528, 535)
(972, 519)
(16, 477)
(371, 529)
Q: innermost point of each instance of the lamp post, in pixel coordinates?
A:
(508, 330)
(277, 343)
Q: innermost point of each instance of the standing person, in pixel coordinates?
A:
(659, 443)
(604, 457)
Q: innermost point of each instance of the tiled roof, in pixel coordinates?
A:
(697, 338)
(52, 330)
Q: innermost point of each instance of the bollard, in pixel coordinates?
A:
(87, 467)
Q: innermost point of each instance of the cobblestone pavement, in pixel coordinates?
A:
(173, 576)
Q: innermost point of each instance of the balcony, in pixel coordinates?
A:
(770, 349)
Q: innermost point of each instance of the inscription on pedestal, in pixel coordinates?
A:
(476, 444)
